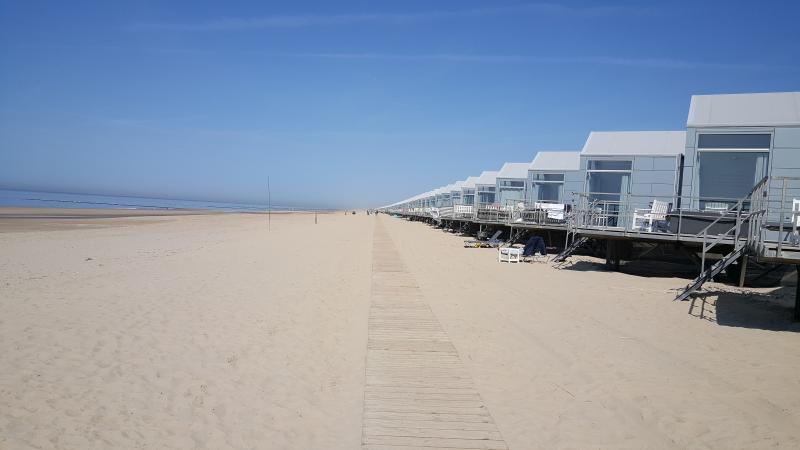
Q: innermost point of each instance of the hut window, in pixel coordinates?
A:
(549, 192)
(605, 164)
(730, 141)
(549, 177)
(485, 197)
(508, 196)
(548, 186)
(729, 165)
(608, 179)
(486, 193)
(726, 176)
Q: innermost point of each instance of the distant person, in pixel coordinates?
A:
(533, 245)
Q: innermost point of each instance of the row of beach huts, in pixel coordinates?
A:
(725, 190)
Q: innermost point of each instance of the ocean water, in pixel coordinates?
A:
(63, 200)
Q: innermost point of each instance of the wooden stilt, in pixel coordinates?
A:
(797, 296)
(612, 254)
(743, 268)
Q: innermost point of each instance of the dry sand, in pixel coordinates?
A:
(192, 332)
(592, 359)
(209, 331)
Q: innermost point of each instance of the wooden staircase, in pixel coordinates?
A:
(567, 252)
(711, 272)
(743, 243)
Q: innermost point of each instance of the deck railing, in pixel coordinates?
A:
(748, 211)
(769, 216)
(492, 212)
(550, 213)
(464, 212)
(638, 214)
(779, 224)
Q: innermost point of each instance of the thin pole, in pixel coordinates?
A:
(796, 315)
(780, 223)
(269, 206)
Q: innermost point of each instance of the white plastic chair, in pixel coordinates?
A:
(555, 211)
(509, 254)
(463, 210)
(796, 212)
(645, 219)
(716, 206)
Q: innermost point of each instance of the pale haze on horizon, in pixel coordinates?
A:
(353, 104)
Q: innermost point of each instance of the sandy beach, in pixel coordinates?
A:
(185, 332)
(213, 331)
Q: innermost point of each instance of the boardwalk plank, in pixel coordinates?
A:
(413, 431)
(484, 444)
(418, 393)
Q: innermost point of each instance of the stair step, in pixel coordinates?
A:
(711, 272)
(561, 257)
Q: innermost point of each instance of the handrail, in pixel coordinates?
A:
(738, 206)
(737, 228)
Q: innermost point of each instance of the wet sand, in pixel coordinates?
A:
(43, 219)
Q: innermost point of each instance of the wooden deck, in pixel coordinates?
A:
(418, 393)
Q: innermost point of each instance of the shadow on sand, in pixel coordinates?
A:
(764, 311)
(636, 268)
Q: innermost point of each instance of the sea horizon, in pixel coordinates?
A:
(50, 199)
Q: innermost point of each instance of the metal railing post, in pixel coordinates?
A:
(738, 228)
(703, 254)
(780, 224)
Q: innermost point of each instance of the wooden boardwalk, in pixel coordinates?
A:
(418, 394)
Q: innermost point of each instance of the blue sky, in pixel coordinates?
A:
(353, 103)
